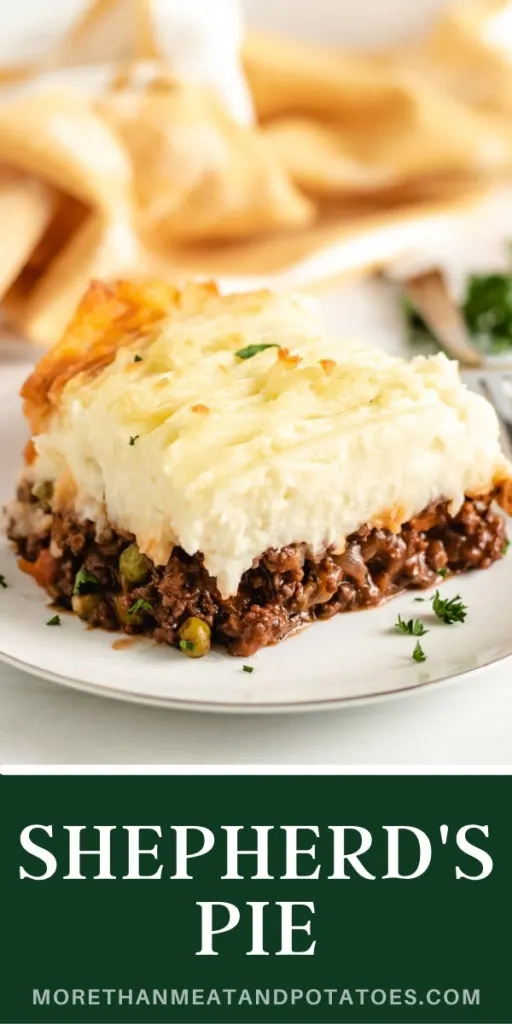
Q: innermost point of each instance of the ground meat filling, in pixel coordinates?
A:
(284, 589)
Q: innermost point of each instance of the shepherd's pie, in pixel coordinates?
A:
(208, 467)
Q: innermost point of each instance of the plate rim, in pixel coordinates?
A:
(236, 707)
(231, 708)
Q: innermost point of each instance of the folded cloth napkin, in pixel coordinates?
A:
(346, 124)
(195, 46)
(149, 137)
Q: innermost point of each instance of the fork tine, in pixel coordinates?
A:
(496, 387)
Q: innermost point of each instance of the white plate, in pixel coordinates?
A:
(351, 658)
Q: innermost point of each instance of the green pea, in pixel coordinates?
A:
(195, 637)
(84, 605)
(133, 565)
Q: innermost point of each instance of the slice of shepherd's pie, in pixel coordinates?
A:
(216, 468)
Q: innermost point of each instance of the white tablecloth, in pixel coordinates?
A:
(468, 722)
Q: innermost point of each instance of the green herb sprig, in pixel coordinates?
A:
(252, 350)
(411, 628)
(418, 653)
(450, 610)
(85, 581)
(487, 311)
(140, 605)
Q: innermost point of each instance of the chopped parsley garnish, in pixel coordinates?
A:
(252, 350)
(418, 652)
(140, 605)
(186, 645)
(442, 572)
(503, 550)
(137, 359)
(3, 582)
(54, 621)
(85, 581)
(247, 668)
(419, 599)
(134, 439)
(449, 611)
(411, 628)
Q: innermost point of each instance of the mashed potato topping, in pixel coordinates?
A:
(182, 440)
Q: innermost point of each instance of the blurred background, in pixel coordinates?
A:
(371, 25)
(265, 142)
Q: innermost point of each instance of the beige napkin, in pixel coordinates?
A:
(131, 178)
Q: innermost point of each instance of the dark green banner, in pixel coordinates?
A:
(364, 899)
